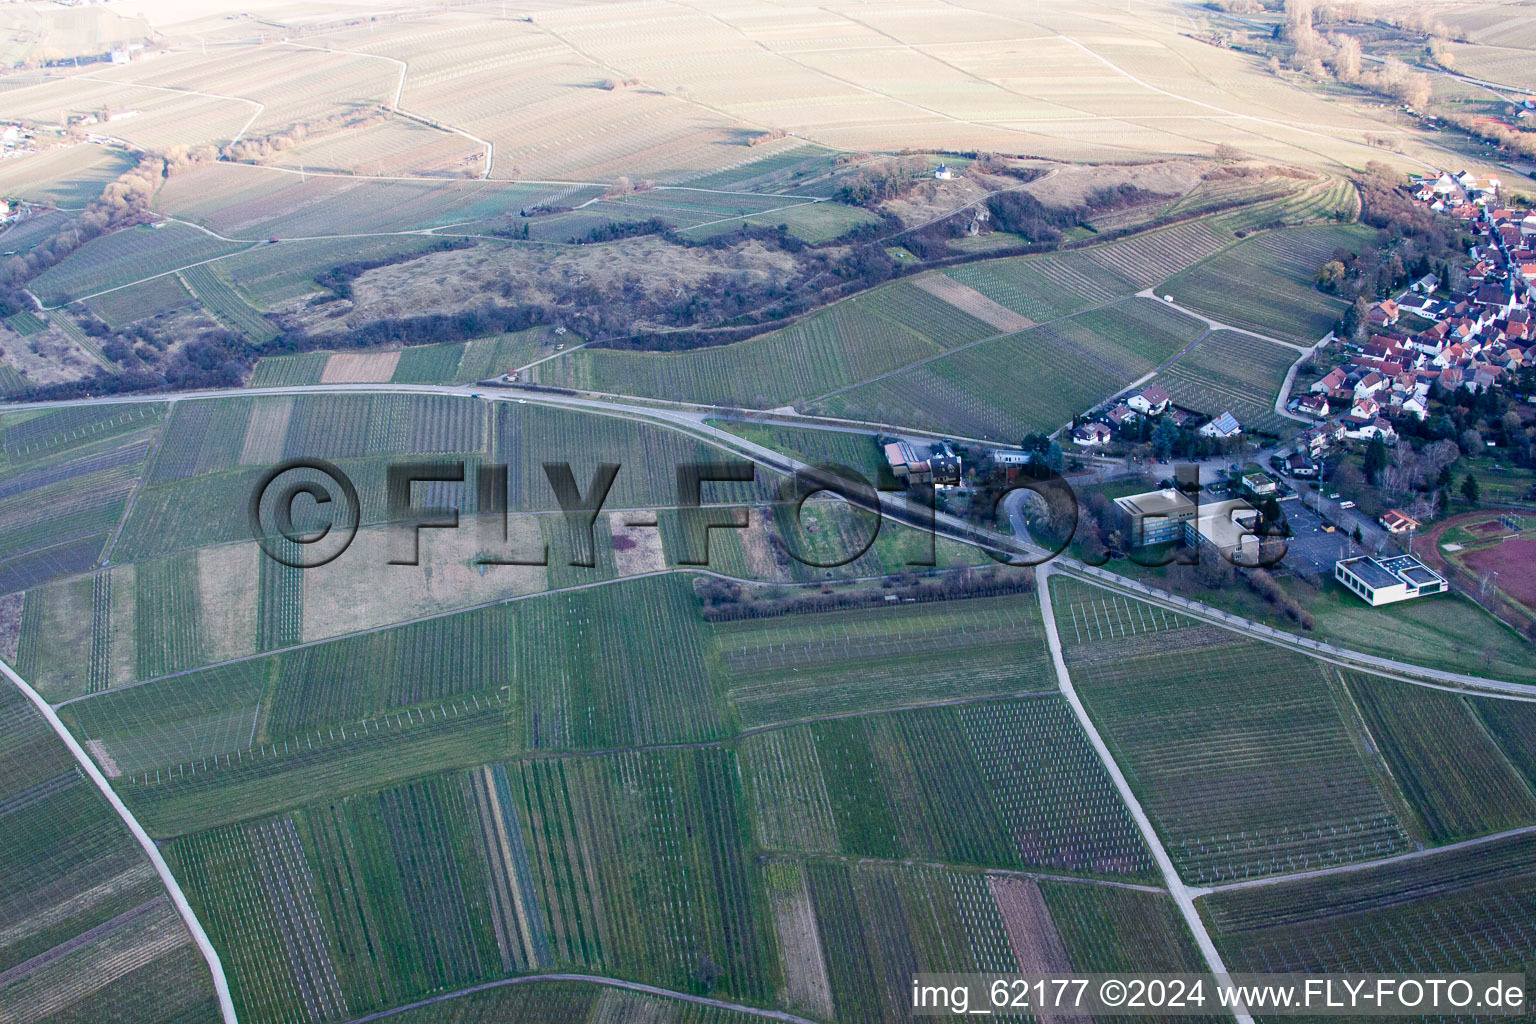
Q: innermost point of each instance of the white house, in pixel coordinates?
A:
(1092, 434)
(1222, 427)
(1151, 402)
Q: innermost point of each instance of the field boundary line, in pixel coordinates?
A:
(593, 979)
(183, 908)
(1366, 865)
(1176, 888)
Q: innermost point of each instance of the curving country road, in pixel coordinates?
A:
(894, 506)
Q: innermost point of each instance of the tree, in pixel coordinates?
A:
(1357, 318)
(1164, 438)
(1359, 537)
(1376, 459)
(1470, 489)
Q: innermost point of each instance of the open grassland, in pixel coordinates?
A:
(1232, 372)
(84, 920)
(125, 256)
(1265, 283)
(1449, 632)
(1034, 380)
(80, 464)
(1181, 704)
(894, 786)
(1467, 910)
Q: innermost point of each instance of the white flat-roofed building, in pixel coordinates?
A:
(1386, 580)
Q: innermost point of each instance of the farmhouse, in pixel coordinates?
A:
(1379, 581)
(940, 467)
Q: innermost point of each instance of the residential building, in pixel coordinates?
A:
(1151, 402)
(1394, 521)
(1092, 434)
(1222, 427)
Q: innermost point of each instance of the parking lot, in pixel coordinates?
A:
(1311, 550)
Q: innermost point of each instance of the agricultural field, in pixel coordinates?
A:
(82, 464)
(469, 875)
(267, 276)
(68, 175)
(892, 786)
(216, 296)
(84, 919)
(1265, 282)
(851, 341)
(243, 201)
(1461, 911)
(997, 390)
(786, 668)
(155, 297)
(126, 256)
(1310, 793)
(570, 1002)
(1229, 371)
(1459, 781)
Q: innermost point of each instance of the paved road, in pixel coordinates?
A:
(893, 506)
(1176, 887)
(183, 908)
